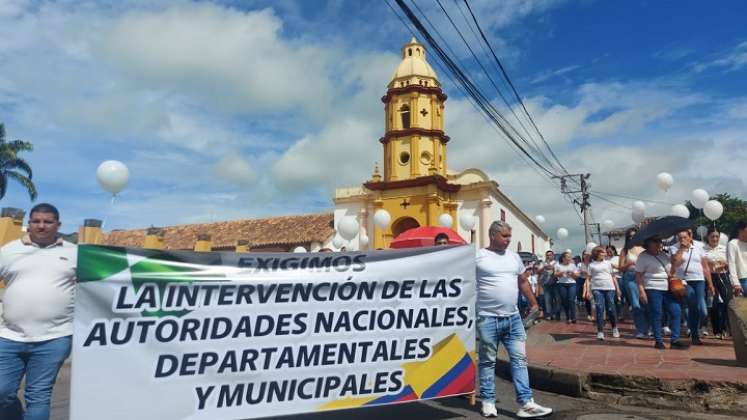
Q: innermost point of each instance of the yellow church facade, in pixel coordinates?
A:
(416, 185)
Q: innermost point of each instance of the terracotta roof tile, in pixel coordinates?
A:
(283, 230)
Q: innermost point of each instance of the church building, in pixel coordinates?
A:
(416, 185)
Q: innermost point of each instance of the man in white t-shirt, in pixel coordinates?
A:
(500, 276)
(36, 324)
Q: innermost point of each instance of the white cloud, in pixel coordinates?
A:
(342, 154)
(604, 109)
(232, 59)
(11, 8)
(734, 60)
(545, 76)
(236, 169)
(498, 14)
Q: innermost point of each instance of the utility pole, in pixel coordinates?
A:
(584, 186)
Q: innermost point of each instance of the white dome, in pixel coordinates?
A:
(414, 68)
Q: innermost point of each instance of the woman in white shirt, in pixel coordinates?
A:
(652, 275)
(603, 285)
(690, 264)
(583, 273)
(715, 254)
(566, 272)
(736, 256)
(628, 258)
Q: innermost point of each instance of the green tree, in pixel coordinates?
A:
(735, 209)
(14, 167)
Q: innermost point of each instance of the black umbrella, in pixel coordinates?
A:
(662, 227)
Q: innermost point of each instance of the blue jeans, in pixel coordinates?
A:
(40, 362)
(696, 306)
(743, 282)
(509, 330)
(659, 301)
(630, 288)
(551, 300)
(605, 299)
(567, 294)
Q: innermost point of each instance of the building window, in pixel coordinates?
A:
(503, 215)
(404, 111)
(533, 250)
(404, 158)
(409, 52)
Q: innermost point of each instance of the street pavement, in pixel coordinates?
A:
(443, 409)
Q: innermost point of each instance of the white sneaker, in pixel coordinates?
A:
(489, 410)
(666, 331)
(531, 409)
(615, 333)
(600, 335)
(703, 332)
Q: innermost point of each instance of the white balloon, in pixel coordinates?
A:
(338, 242)
(609, 224)
(639, 206)
(699, 198)
(467, 221)
(299, 249)
(113, 176)
(562, 233)
(363, 240)
(539, 219)
(637, 216)
(680, 210)
(590, 246)
(723, 239)
(347, 227)
(382, 218)
(701, 231)
(445, 220)
(713, 210)
(664, 180)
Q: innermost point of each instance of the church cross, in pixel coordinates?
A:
(423, 112)
(405, 203)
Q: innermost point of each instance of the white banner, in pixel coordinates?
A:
(181, 335)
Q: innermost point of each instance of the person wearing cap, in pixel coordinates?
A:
(37, 321)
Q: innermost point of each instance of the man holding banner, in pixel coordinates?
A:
(500, 276)
(37, 320)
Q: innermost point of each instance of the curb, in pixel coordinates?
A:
(695, 395)
(558, 381)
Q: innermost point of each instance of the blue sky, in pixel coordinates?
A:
(225, 110)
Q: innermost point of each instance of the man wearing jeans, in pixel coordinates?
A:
(500, 276)
(36, 325)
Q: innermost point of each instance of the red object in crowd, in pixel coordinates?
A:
(425, 236)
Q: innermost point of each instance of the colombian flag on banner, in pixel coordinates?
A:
(449, 371)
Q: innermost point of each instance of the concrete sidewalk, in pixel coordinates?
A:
(568, 359)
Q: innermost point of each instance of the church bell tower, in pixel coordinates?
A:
(414, 140)
(414, 189)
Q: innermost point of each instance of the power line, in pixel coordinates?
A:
(480, 99)
(535, 148)
(634, 198)
(516, 94)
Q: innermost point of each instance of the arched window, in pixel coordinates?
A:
(404, 112)
(403, 224)
(409, 52)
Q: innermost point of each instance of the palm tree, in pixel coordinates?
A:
(14, 167)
